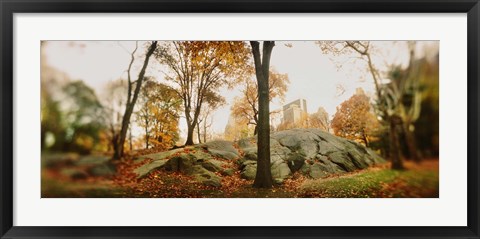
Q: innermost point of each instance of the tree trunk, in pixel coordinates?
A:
(395, 153)
(147, 137)
(198, 134)
(411, 143)
(263, 178)
(119, 149)
(190, 129)
(191, 123)
(365, 139)
(114, 142)
(255, 130)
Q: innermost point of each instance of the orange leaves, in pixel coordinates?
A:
(231, 184)
(293, 184)
(125, 175)
(354, 118)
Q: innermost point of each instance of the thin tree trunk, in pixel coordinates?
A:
(263, 178)
(198, 134)
(129, 109)
(395, 153)
(255, 130)
(365, 139)
(411, 143)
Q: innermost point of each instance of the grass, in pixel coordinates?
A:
(417, 181)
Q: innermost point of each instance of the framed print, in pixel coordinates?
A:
(247, 119)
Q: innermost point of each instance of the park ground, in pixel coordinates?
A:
(419, 180)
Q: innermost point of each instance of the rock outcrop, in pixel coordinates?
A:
(203, 162)
(312, 152)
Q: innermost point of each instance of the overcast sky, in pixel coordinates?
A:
(313, 75)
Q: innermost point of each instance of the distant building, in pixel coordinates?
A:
(293, 111)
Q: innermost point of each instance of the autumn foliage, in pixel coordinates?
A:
(198, 69)
(167, 85)
(158, 115)
(355, 120)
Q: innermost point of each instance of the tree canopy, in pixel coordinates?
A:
(198, 69)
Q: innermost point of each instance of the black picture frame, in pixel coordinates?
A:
(10, 7)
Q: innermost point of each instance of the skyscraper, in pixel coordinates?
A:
(293, 111)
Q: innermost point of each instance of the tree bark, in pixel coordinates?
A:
(119, 149)
(115, 143)
(411, 143)
(190, 129)
(395, 153)
(263, 178)
(192, 123)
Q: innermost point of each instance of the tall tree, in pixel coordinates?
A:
(246, 107)
(263, 178)
(389, 115)
(199, 69)
(405, 90)
(132, 96)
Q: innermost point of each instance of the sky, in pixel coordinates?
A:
(314, 76)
